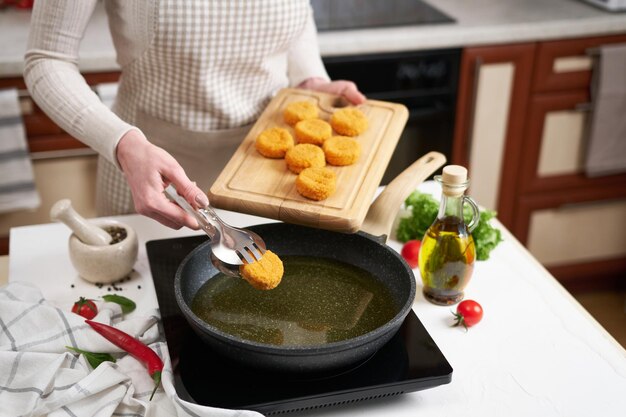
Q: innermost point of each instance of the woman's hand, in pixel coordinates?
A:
(348, 89)
(148, 170)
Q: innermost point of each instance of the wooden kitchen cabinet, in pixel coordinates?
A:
(63, 166)
(540, 188)
(494, 87)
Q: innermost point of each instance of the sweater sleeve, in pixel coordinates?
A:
(54, 81)
(304, 59)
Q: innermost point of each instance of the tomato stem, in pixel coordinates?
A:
(460, 320)
(82, 301)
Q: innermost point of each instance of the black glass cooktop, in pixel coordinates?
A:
(410, 361)
(356, 14)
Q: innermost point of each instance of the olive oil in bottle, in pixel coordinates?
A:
(447, 253)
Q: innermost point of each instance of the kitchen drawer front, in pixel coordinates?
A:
(526, 204)
(566, 65)
(554, 151)
(577, 235)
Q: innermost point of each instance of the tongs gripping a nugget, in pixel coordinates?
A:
(229, 244)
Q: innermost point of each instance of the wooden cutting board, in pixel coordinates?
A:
(253, 184)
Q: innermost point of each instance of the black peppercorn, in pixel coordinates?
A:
(117, 233)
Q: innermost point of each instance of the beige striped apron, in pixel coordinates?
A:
(209, 71)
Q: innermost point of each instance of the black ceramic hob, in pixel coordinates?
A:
(410, 361)
(358, 14)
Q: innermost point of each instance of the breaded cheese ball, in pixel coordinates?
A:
(314, 131)
(304, 155)
(264, 274)
(274, 142)
(341, 150)
(316, 183)
(349, 121)
(300, 110)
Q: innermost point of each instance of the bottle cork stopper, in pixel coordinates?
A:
(454, 180)
(454, 174)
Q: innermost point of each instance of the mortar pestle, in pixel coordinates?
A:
(96, 254)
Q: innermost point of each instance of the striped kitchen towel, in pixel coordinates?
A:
(40, 376)
(606, 151)
(17, 181)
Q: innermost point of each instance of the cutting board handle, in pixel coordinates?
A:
(383, 211)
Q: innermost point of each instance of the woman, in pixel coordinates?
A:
(194, 76)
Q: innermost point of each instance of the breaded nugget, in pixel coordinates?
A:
(316, 183)
(349, 121)
(274, 142)
(300, 110)
(314, 131)
(264, 274)
(341, 150)
(304, 155)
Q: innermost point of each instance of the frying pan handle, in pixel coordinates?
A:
(383, 211)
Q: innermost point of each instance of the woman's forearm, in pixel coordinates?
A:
(53, 79)
(304, 60)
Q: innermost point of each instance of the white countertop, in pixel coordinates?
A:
(478, 22)
(537, 352)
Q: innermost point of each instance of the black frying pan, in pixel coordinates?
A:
(364, 249)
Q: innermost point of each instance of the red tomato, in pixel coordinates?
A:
(85, 307)
(468, 313)
(410, 252)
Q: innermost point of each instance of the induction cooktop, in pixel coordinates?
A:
(356, 14)
(410, 361)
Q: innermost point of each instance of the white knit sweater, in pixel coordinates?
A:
(201, 65)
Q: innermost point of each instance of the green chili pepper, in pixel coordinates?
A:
(127, 304)
(94, 358)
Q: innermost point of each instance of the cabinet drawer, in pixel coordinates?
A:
(566, 65)
(555, 146)
(577, 233)
(528, 204)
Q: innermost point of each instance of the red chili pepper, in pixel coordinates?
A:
(134, 347)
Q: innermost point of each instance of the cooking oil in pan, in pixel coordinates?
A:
(318, 301)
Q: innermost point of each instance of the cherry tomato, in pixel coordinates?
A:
(410, 252)
(468, 313)
(85, 307)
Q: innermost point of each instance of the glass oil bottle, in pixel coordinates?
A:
(447, 253)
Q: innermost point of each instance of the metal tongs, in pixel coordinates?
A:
(230, 246)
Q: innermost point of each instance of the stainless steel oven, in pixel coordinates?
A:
(424, 81)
